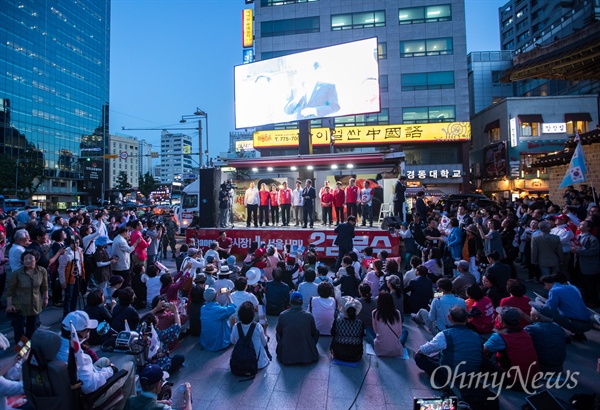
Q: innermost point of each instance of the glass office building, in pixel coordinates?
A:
(54, 93)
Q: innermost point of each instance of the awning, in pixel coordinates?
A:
(578, 116)
(492, 125)
(530, 118)
(412, 192)
(340, 159)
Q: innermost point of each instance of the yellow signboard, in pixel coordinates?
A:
(187, 149)
(369, 135)
(247, 28)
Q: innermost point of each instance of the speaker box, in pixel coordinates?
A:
(210, 185)
(391, 222)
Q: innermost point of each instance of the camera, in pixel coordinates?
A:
(223, 290)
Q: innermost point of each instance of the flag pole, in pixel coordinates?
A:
(578, 140)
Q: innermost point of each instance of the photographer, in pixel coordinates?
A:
(154, 233)
(224, 205)
(70, 272)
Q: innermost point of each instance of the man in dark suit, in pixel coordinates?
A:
(498, 272)
(344, 239)
(399, 197)
(312, 98)
(546, 250)
(309, 194)
(422, 209)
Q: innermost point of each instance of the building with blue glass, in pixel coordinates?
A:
(54, 93)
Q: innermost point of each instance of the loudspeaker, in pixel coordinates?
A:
(210, 185)
(391, 222)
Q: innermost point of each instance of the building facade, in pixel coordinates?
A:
(486, 68)
(422, 67)
(145, 157)
(175, 158)
(54, 93)
(126, 148)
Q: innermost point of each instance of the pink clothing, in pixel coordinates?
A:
(140, 249)
(387, 340)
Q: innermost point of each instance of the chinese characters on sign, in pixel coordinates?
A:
(434, 173)
(247, 29)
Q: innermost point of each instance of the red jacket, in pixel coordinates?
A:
(285, 196)
(352, 194)
(519, 352)
(339, 197)
(274, 197)
(264, 197)
(326, 199)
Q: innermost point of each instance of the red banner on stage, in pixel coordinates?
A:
(323, 239)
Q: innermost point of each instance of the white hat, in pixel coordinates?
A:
(253, 275)
(224, 271)
(81, 321)
(348, 302)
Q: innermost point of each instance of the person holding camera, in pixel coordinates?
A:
(70, 273)
(154, 232)
(216, 333)
(142, 241)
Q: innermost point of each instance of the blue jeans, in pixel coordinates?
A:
(367, 213)
(70, 299)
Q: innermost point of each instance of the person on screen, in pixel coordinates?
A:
(312, 98)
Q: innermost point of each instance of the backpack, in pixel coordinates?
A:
(243, 360)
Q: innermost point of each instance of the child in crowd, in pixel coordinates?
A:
(115, 282)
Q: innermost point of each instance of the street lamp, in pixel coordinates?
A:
(199, 114)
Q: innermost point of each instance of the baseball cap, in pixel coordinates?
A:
(562, 217)
(209, 259)
(510, 316)
(259, 253)
(210, 294)
(80, 319)
(152, 374)
(463, 264)
(296, 298)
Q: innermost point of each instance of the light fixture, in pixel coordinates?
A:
(310, 167)
(270, 169)
(334, 166)
(522, 174)
(538, 173)
(254, 169)
(293, 168)
(349, 166)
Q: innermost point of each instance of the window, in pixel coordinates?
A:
(382, 51)
(523, 36)
(522, 12)
(277, 28)
(429, 47)
(494, 135)
(581, 126)
(530, 129)
(358, 20)
(428, 14)
(444, 113)
(380, 118)
(509, 46)
(280, 53)
(267, 3)
(508, 34)
(507, 22)
(522, 24)
(428, 81)
(527, 160)
(383, 83)
(496, 76)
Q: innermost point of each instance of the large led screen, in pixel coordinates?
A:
(326, 82)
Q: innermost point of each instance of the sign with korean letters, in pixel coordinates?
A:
(554, 128)
(434, 172)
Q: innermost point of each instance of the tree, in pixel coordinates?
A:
(123, 185)
(24, 175)
(147, 184)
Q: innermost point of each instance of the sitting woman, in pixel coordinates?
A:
(375, 277)
(246, 315)
(480, 310)
(347, 332)
(517, 299)
(171, 285)
(123, 311)
(96, 310)
(162, 357)
(323, 308)
(435, 264)
(347, 279)
(387, 325)
(365, 314)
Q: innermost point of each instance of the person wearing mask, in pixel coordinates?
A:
(251, 201)
(214, 318)
(297, 334)
(298, 203)
(121, 249)
(309, 194)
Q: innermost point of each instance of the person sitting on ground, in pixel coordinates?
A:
(492, 290)
(387, 325)
(436, 319)
(171, 285)
(246, 313)
(498, 273)
(323, 272)
(480, 309)
(412, 273)
(166, 337)
(183, 253)
(223, 282)
(323, 308)
(151, 278)
(421, 291)
(463, 280)
(110, 293)
(516, 288)
(216, 333)
(368, 305)
(123, 311)
(139, 287)
(375, 277)
(277, 294)
(565, 306)
(395, 287)
(165, 317)
(297, 334)
(455, 346)
(434, 264)
(96, 310)
(195, 303)
(347, 332)
(308, 288)
(152, 379)
(241, 295)
(348, 281)
(512, 347)
(549, 342)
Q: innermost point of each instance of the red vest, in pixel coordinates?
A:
(264, 198)
(352, 193)
(338, 197)
(285, 196)
(519, 352)
(274, 196)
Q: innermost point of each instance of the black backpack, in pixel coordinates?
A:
(243, 360)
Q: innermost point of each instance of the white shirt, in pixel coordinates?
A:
(121, 248)
(251, 197)
(67, 257)
(297, 198)
(258, 340)
(239, 297)
(565, 235)
(366, 196)
(323, 310)
(14, 257)
(88, 243)
(153, 286)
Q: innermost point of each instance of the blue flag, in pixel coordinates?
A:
(577, 169)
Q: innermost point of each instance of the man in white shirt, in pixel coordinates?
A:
(251, 201)
(366, 203)
(297, 203)
(121, 249)
(21, 240)
(437, 317)
(240, 296)
(566, 235)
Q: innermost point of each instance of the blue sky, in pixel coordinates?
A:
(170, 56)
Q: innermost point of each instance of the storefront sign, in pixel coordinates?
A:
(434, 173)
(494, 161)
(554, 128)
(247, 28)
(514, 140)
(248, 55)
(514, 169)
(322, 239)
(244, 145)
(369, 135)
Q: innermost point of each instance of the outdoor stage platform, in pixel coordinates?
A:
(321, 237)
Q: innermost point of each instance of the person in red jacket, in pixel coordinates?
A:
(327, 206)
(339, 197)
(352, 197)
(274, 202)
(285, 202)
(263, 210)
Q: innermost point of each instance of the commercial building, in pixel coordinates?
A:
(422, 80)
(486, 69)
(54, 93)
(175, 158)
(126, 149)
(145, 157)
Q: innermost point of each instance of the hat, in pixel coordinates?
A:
(393, 279)
(224, 271)
(152, 374)
(510, 316)
(210, 269)
(296, 298)
(562, 217)
(253, 276)
(463, 264)
(349, 301)
(200, 278)
(210, 259)
(259, 253)
(473, 229)
(192, 251)
(103, 241)
(210, 294)
(231, 260)
(80, 319)
(404, 223)
(115, 280)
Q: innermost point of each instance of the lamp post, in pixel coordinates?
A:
(199, 114)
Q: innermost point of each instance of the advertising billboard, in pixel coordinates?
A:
(494, 161)
(326, 82)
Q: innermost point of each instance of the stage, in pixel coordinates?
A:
(321, 237)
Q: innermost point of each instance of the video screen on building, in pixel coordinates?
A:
(327, 82)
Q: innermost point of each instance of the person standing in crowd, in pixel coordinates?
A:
(420, 205)
(21, 241)
(326, 198)
(309, 194)
(168, 239)
(562, 230)
(264, 200)
(339, 198)
(297, 334)
(546, 251)
(298, 203)
(274, 204)
(139, 254)
(366, 203)
(586, 251)
(26, 295)
(71, 272)
(121, 249)
(103, 262)
(399, 196)
(344, 239)
(3, 264)
(251, 201)
(285, 201)
(155, 236)
(352, 198)
(224, 205)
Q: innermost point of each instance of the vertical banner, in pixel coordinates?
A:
(247, 28)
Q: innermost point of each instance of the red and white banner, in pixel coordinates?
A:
(323, 239)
